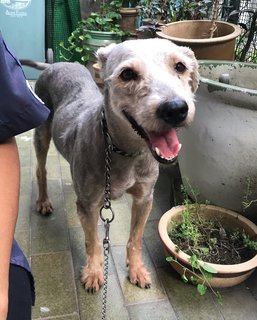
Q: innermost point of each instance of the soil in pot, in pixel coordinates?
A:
(190, 265)
(210, 239)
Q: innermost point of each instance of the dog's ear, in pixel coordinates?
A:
(103, 53)
(194, 65)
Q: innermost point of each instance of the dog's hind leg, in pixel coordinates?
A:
(141, 208)
(42, 138)
(92, 273)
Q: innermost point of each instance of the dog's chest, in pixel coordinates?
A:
(120, 183)
(124, 178)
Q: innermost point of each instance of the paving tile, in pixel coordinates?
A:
(120, 227)
(162, 194)
(55, 286)
(153, 243)
(133, 294)
(23, 239)
(60, 294)
(49, 233)
(25, 157)
(239, 304)
(74, 316)
(187, 303)
(251, 283)
(65, 169)
(161, 310)
(77, 243)
(71, 209)
(23, 221)
(25, 181)
(91, 305)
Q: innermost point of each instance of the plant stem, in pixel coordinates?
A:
(214, 18)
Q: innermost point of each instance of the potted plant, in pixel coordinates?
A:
(209, 39)
(219, 148)
(99, 29)
(209, 246)
(129, 16)
(157, 13)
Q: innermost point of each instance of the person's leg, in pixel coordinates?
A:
(20, 300)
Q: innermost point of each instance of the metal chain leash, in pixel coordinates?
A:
(109, 148)
(106, 206)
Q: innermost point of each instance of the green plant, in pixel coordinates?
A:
(246, 42)
(206, 240)
(129, 3)
(106, 20)
(247, 203)
(172, 10)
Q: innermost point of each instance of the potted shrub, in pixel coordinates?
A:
(219, 148)
(99, 29)
(209, 39)
(209, 246)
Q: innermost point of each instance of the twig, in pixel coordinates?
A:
(214, 18)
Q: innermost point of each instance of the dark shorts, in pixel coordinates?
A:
(20, 294)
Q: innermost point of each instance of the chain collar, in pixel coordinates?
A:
(108, 140)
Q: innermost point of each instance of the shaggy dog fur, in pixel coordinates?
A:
(149, 88)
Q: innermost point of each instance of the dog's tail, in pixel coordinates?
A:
(34, 64)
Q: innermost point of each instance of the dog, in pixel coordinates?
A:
(148, 93)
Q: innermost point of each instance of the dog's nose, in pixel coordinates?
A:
(173, 111)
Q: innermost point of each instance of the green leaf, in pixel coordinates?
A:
(194, 261)
(184, 278)
(209, 268)
(204, 250)
(201, 288)
(169, 259)
(219, 298)
(193, 280)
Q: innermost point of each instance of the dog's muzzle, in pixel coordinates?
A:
(164, 146)
(173, 112)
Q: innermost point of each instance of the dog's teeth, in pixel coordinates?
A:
(158, 151)
(180, 146)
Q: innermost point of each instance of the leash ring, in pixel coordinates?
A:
(109, 220)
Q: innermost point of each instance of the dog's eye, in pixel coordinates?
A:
(128, 75)
(180, 67)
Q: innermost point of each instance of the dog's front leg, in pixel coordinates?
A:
(92, 273)
(142, 205)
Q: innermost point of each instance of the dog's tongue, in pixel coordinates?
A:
(167, 143)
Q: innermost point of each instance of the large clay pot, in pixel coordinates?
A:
(195, 34)
(219, 150)
(227, 275)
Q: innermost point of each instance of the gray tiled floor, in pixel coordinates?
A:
(55, 248)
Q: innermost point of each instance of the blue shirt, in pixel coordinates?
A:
(20, 110)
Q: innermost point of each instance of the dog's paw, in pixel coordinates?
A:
(44, 207)
(140, 277)
(92, 278)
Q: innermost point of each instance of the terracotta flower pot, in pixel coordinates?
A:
(195, 34)
(129, 20)
(97, 76)
(227, 275)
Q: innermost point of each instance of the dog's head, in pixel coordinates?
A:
(151, 84)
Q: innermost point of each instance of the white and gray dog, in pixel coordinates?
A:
(149, 88)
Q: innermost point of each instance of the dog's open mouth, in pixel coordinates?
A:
(164, 146)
